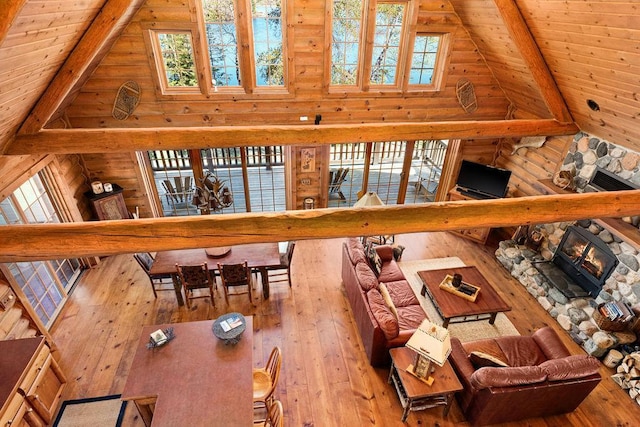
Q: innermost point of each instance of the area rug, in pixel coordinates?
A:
(467, 331)
(104, 411)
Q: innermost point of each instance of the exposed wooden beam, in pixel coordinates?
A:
(54, 241)
(70, 141)
(9, 9)
(102, 33)
(532, 56)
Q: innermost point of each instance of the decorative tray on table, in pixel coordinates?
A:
(465, 290)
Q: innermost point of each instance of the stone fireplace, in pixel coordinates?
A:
(575, 315)
(580, 265)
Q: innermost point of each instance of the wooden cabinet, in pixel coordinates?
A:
(108, 205)
(478, 234)
(34, 383)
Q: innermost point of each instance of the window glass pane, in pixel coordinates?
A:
(267, 40)
(219, 18)
(423, 61)
(345, 41)
(177, 55)
(386, 43)
(174, 180)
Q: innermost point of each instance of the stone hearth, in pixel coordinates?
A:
(576, 315)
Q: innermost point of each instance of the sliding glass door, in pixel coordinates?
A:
(45, 283)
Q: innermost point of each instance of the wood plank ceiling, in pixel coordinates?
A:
(590, 47)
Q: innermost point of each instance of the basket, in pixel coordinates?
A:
(607, 324)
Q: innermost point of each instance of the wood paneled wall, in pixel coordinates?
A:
(128, 60)
(529, 165)
(122, 169)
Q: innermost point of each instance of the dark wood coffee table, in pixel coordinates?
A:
(455, 309)
(416, 395)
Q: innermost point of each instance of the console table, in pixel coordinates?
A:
(416, 395)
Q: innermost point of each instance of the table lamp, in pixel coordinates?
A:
(369, 199)
(431, 343)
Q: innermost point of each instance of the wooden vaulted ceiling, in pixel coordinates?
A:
(546, 56)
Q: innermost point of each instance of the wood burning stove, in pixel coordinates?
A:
(581, 264)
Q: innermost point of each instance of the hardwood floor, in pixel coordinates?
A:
(325, 379)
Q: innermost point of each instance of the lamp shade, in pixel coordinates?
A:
(431, 341)
(369, 199)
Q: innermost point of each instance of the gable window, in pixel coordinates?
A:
(387, 43)
(399, 53)
(267, 42)
(245, 44)
(424, 59)
(177, 63)
(345, 41)
(220, 27)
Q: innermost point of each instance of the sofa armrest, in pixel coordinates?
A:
(401, 339)
(460, 360)
(385, 252)
(550, 343)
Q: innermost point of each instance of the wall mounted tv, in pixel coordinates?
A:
(482, 181)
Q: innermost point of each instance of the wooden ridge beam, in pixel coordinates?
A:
(526, 44)
(72, 141)
(97, 238)
(99, 37)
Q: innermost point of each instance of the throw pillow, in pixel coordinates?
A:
(480, 360)
(374, 260)
(387, 299)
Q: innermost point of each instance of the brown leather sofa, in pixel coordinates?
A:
(387, 315)
(541, 377)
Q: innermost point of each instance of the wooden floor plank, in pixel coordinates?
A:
(326, 379)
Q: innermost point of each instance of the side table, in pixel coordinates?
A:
(416, 395)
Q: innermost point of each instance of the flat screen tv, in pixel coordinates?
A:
(482, 181)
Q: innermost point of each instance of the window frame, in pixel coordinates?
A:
(244, 33)
(151, 31)
(411, 28)
(442, 58)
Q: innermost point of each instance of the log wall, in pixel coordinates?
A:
(128, 60)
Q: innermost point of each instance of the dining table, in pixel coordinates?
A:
(194, 379)
(259, 256)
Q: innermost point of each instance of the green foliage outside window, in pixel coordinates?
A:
(177, 54)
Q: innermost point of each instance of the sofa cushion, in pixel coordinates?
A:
(387, 321)
(390, 272)
(366, 278)
(387, 299)
(410, 317)
(507, 377)
(521, 351)
(355, 250)
(569, 367)
(480, 360)
(401, 293)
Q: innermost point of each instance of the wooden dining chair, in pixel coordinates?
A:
(282, 273)
(273, 416)
(159, 282)
(235, 276)
(193, 277)
(265, 380)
